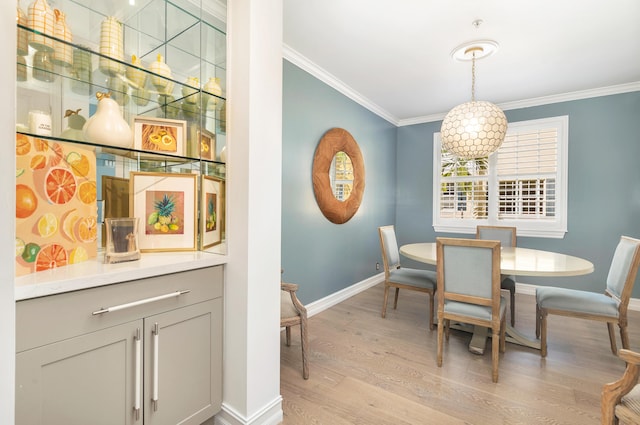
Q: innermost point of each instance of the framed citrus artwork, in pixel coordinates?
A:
(166, 206)
(56, 204)
(159, 135)
(211, 211)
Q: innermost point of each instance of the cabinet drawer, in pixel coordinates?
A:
(41, 321)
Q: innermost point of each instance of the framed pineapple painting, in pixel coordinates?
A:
(211, 211)
(166, 206)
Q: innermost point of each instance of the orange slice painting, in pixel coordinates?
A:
(51, 256)
(60, 185)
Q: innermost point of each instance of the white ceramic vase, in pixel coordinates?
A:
(106, 126)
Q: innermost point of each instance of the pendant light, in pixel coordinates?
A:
(474, 129)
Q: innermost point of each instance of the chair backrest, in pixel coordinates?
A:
(469, 271)
(623, 270)
(389, 248)
(505, 234)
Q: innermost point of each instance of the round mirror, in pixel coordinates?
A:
(338, 175)
(341, 176)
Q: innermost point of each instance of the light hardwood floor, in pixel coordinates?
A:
(368, 370)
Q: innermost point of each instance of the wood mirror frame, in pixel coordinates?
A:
(332, 142)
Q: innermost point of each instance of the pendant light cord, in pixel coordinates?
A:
(473, 77)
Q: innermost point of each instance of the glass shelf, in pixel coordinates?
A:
(101, 179)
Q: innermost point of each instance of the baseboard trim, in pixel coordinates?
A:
(270, 414)
(337, 297)
(528, 289)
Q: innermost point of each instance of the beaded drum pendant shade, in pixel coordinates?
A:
(473, 129)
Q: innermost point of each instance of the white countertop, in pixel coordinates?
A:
(94, 273)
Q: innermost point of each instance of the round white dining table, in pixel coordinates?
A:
(513, 261)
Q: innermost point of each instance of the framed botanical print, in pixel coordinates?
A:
(210, 211)
(166, 206)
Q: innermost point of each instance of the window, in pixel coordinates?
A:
(523, 184)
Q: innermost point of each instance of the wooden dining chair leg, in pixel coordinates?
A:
(304, 341)
(495, 354)
(624, 335)
(512, 303)
(395, 300)
(430, 310)
(440, 340)
(543, 333)
(503, 335)
(537, 321)
(612, 337)
(385, 301)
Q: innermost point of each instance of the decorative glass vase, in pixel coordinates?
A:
(42, 20)
(111, 46)
(106, 126)
(62, 53)
(122, 240)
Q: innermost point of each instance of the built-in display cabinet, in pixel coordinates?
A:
(120, 114)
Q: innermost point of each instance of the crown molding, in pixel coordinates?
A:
(302, 62)
(305, 64)
(539, 101)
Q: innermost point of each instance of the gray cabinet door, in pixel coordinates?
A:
(183, 364)
(84, 380)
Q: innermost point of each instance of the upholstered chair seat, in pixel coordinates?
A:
(399, 277)
(610, 307)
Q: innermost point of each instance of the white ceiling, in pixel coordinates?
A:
(393, 56)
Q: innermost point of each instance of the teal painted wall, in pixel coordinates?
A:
(320, 256)
(604, 185)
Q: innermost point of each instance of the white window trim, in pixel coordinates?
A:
(556, 229)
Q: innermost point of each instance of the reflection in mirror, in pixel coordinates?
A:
(341, 176)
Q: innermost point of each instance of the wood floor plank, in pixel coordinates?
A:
(368, 370)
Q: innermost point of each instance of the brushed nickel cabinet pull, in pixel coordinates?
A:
(140, 302)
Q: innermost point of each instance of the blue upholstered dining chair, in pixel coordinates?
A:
(469, 290)
(610, 307)
(507, 237)
(399, 277)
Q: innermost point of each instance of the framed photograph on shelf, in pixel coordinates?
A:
(207, 144)
(211, 211)
(165, 203)
(159, 135)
